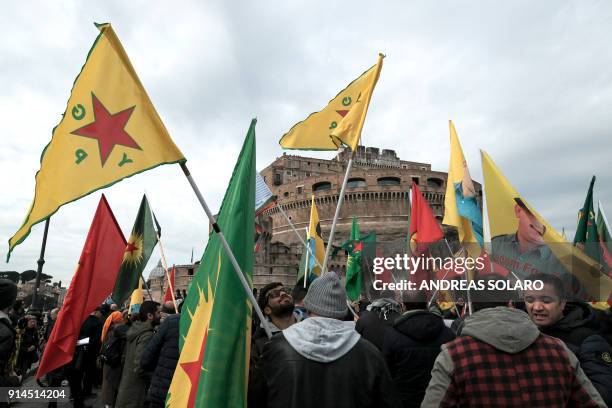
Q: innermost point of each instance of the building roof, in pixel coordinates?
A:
(157, 271)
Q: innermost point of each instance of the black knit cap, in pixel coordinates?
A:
(8, 293)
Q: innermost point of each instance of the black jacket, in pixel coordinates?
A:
(580, 330)
(7, 347)
(358, 379)
(578, 323)
(161, 357)
(411, 348)
(372, 327)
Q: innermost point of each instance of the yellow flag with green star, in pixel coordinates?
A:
(341, 121)
(109, 131)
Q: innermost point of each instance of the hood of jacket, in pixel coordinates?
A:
(137, 329)
(322, 339)
(506, 329)
(419, 325)
(575, 314)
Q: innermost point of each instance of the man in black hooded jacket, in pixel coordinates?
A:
(411, 347)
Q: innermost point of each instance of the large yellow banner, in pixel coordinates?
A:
(109, 131)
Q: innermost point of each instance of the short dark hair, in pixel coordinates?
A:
(299, 291)
(148, 306)
(262, 300)
(552, 280)
(490, 298)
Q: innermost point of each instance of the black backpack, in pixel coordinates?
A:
(112, 350)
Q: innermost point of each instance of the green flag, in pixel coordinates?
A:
(354, 282)
(137, 253)
(215, 325)
(586, 232)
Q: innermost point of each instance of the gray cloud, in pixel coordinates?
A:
(527, 82)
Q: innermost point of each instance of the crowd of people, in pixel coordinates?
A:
(127, 360)
(531, 349)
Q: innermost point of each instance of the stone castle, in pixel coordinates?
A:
(377, 195)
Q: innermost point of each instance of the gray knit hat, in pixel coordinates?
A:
(326, 297)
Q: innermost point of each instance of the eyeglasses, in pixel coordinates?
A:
(275, 293)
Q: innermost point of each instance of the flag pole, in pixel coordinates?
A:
(144, 283)
(41, 262)
(467, 278)
(306, 271)
(227, 249)
(165, 265)
(330, 240)
(163, 255)
(280, 208)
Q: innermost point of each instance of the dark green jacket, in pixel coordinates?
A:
(135, 380)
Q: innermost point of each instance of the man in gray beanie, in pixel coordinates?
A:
(8, 294)
(322, 361)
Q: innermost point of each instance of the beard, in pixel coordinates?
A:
(283, 310)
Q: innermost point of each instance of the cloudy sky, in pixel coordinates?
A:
(529, 82)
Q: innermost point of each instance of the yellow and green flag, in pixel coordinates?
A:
(340, 122)
(109, 131)
(215, 325)
(506, 208)
(315, 241)
(461, 209)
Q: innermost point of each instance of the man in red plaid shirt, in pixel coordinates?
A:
(500, 359)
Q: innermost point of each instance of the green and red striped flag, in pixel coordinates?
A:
(215, 325)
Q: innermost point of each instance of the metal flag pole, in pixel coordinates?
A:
(467, 278)
(280, 208)
(306, 269)
(330, 240)
(41, 262)
(144, 283)
(228, 250)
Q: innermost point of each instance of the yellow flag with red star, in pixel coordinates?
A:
(341, 121)
(109, 131)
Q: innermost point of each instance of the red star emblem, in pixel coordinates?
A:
(108, 129)
(131, 247)
(193, 369)
(342, 112)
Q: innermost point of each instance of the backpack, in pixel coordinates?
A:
(112, 351)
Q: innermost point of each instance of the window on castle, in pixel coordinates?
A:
(435, 182)
(356, 182)
(416, 180)
(323, 185)
(389, 181)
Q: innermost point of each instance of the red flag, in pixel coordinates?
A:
(424, 228)
(91, 284)
(170, 288)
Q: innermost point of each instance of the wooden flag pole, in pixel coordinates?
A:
(330, 241)
(228, 250)
(165, 266)
(163, 256)
(41, 262)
